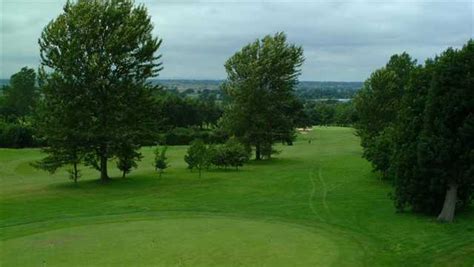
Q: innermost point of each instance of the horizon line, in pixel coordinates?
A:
(207, 79)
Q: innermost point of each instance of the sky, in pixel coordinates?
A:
(342, 40)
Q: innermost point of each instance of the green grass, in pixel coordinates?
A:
(315, 204)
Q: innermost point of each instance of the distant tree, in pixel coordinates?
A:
(345, 114)
(210, 110)
(20, 96)
(98, 91)
(260, 84)
(198, 156)
(17, 135)
(161, 161)
(377, 104)
(310, 91)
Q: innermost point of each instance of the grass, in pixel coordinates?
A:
(315, 204)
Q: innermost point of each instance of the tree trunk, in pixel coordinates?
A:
(104, 177)
(123, 174)
(449, 206)
(76, 174)
(258, 155)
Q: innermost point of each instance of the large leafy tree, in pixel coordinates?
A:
(446, 148)
(410, 187)
(260, 86)
(98, 56)
(377, 105)
(430, 137)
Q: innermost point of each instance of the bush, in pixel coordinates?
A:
(230, 154)
(161, 161)
(14, 135)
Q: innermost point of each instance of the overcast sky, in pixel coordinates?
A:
(342, 40)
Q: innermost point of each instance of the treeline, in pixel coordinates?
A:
(18, 102)
(181, 118)
(327, 90)
(329, 112)
(416, 124)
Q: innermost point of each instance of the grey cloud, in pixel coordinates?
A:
(343, 40)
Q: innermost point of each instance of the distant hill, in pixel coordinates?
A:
(183, 85)
(305, 89)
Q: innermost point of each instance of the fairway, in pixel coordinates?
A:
(315, 204)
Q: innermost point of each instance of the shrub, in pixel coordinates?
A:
(230, 154)
(161, 161)
(14, 135)
(198, 156)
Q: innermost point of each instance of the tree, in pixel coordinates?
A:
(377, 104)
(127, 157)
(197, 156)
(431, 155)
(21, 95)
(97, 92)
(446, 149)
(411, 189)
(260, 84)
(161, 161)
(60, 157)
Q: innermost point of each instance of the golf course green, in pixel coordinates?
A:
(315, 204)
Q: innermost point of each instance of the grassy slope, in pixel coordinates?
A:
(323, 187)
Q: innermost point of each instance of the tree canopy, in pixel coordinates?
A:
(260, 84)
(96, 58)
(377, 105)
(417, 127)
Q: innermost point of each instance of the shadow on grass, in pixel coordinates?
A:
(132, 181)
(135, 183)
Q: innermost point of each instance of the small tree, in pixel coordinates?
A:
(58, 158)
(197, 156)
(161, 161)
(127, 157)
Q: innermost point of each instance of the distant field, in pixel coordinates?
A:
(316, 204)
